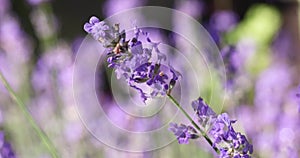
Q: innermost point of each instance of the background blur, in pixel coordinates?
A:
(258, 39)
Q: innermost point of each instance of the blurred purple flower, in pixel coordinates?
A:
(53, 63)
(269, 93)
(193, 8)
(45, 24)
(298, 98)
(73, 131)
(113, 6)
(282, 45)
(6, 150)
(274, 124)
(220, 23)
(4, 7)
(14, 52)
(229, 54)
(37, 2)
(235, 59)
(223, 21)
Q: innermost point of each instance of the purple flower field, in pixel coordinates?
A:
(149, 79)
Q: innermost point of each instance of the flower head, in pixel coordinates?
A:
(132, 61)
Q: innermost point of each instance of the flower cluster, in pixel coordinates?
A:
(219, 128)
(131, 60)
(5, 148)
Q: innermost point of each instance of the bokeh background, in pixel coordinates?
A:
(258, 39)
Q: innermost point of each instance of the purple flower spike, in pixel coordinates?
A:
(132, 61)
(183, 133)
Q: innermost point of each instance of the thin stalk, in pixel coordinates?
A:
(44, 138)
(192, 121)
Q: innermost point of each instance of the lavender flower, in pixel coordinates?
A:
(219, 128)
(132, 61)
(6, 150)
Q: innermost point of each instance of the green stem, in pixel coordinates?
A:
(47, 142)
(193, 122)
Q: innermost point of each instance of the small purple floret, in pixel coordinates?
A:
(183, 132)
(6, 150)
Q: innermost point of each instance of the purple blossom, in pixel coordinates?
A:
(6, 150)
(100, 30)
(221, 129)
(132, 61)
(205, 115)
(183, 133)
(202, 109)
